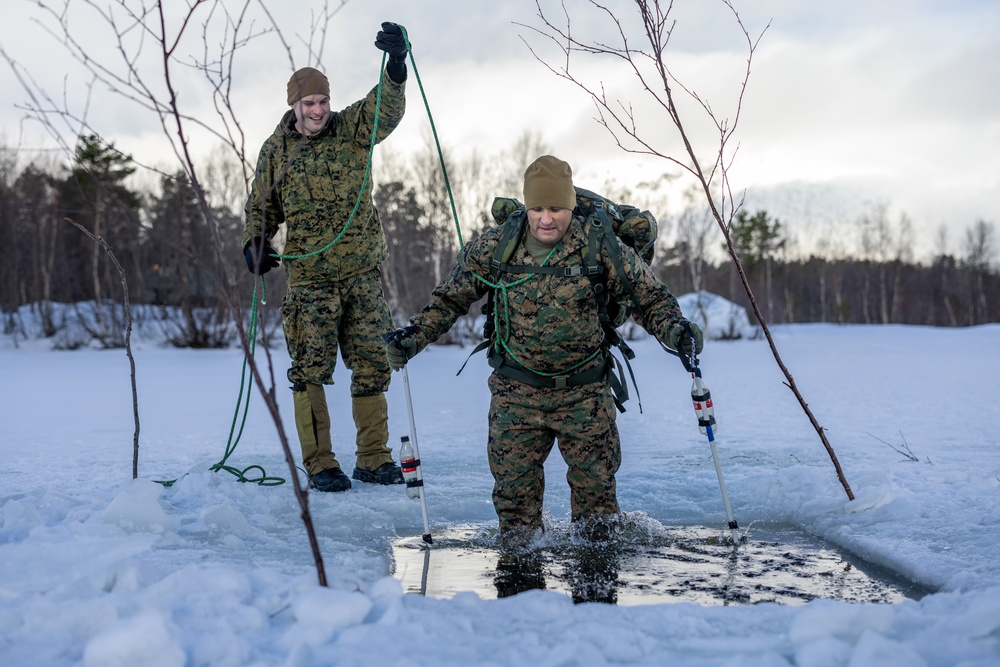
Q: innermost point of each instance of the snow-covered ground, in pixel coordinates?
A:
(101, 570)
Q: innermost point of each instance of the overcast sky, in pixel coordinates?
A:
(849, 104)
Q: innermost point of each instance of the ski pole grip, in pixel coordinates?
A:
(396, 335)
(392, 338)
(690, 362)
(396, 338)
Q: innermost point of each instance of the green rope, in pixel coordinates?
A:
(246, 377)
(501, 321)
(501, 288)
(437, 143)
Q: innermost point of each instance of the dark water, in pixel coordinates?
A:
(669, 564)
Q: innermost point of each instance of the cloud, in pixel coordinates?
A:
(891, 101)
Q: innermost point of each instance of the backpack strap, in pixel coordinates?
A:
(614, 248)
(510, 239)
(602, 236)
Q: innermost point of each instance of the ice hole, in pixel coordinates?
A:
(771, 563)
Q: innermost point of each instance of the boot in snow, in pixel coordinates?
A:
(387, 473)
(331, 479)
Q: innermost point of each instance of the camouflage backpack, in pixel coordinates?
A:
(610, 225)
(636, 229)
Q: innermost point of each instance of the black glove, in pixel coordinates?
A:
(678, 338)
(400, 346)
(253, 248)
(390, 39)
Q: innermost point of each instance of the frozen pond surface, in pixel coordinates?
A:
(778, 564)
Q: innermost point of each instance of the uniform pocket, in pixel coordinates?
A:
(290, 321)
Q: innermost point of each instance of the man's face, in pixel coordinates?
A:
(311, 113)
(548, 224)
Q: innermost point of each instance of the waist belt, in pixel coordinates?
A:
(516, 371)
(603, 373)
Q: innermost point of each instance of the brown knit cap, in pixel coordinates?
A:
(307, 81)
(548, 181)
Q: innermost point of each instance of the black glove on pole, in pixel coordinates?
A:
(400, 346)
(686, 338)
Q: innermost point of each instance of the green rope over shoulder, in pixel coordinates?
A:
(501, 321)
(371, 152)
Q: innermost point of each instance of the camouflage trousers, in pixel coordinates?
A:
(525, 422)
(350, 313)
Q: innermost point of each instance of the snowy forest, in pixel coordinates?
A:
(173, 229)
(160, 236)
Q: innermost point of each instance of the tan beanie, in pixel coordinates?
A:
(548, 181)
(307, 81)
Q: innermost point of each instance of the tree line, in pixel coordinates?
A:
(878, 283)
(162, 241)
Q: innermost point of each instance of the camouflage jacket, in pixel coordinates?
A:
(312, 183)
(546, 323)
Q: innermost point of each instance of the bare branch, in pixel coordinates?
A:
(904, 450)
(128, 340)
(620, 120)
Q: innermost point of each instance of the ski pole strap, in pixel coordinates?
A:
(482, 346)
(619, 388)
(614, 253)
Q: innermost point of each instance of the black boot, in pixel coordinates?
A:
(331, 479)
(387, 473)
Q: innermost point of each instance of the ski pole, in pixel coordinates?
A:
(409, 450)
(705, 411)
(411, 467)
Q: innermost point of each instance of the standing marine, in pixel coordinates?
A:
(313, 177)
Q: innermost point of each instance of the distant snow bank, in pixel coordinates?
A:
(719, 318)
